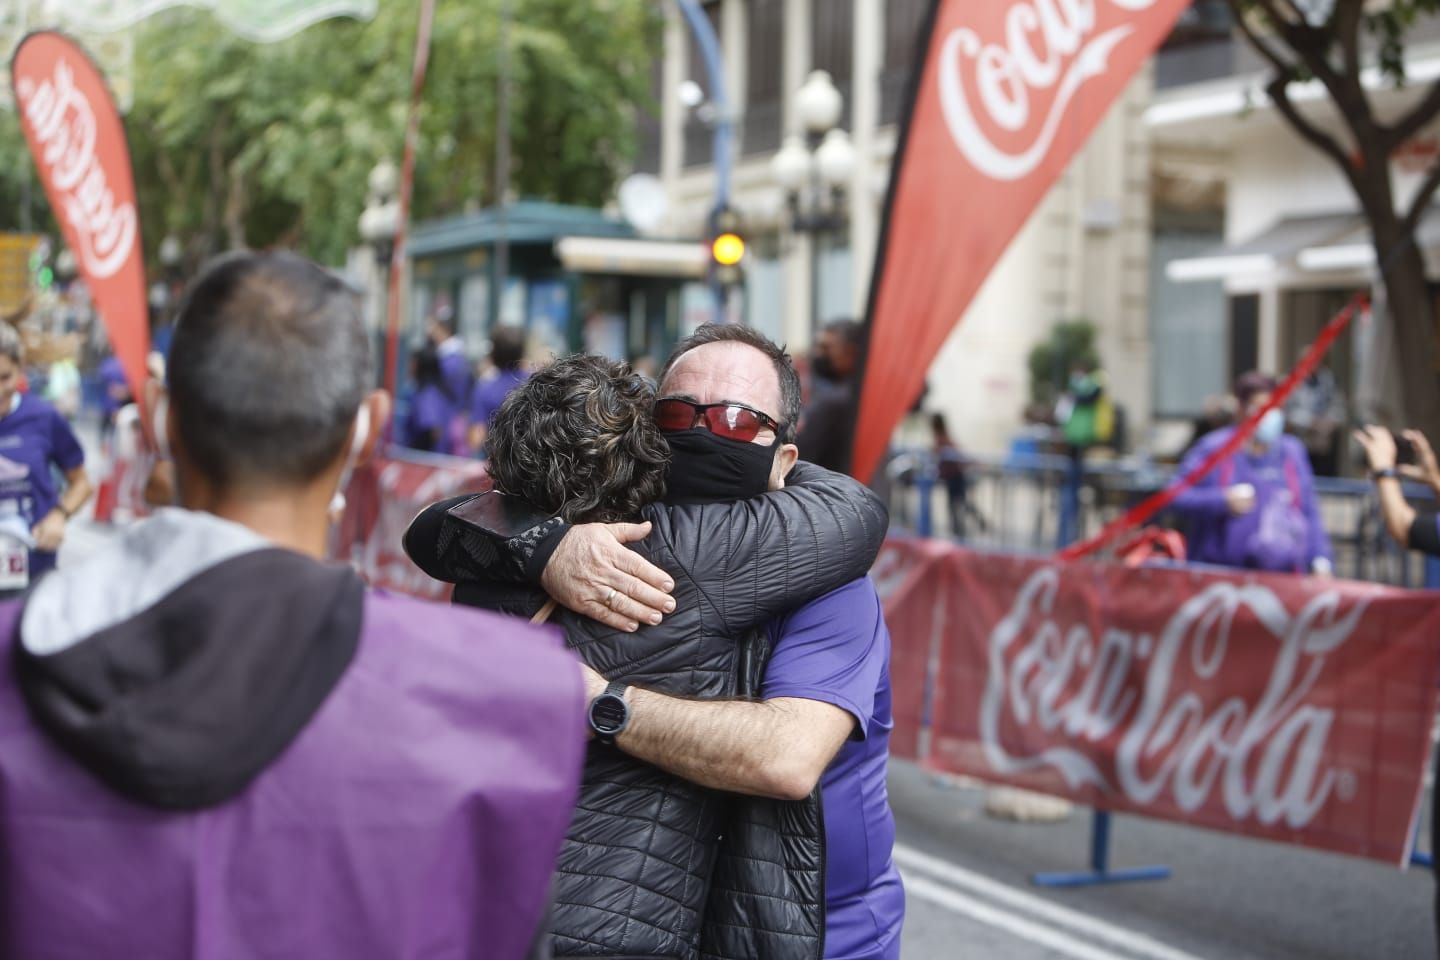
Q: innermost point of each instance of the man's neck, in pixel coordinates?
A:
(296, 521)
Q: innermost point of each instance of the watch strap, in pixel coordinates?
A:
(1389, 473)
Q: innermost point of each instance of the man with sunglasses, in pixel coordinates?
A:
(728, 403)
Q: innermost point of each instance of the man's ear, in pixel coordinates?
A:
(378, 405)
(785, 459)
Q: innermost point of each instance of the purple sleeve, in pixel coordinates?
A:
(1207, 496)
(65, 449)
(480, 409)
(832, 650)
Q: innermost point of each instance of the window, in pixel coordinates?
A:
(904, 19)
(764, 76)
(833, 45)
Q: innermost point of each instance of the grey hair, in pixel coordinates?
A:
(579, 439)
(10, 345)
(269, 364)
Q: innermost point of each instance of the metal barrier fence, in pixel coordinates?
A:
(1040, 502)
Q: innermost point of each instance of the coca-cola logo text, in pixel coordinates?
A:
(63, 129)
(1050, 49)
(1264, 756)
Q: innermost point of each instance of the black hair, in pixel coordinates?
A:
(507, 347)
(269, 364)
(784, 368)
(578, 439)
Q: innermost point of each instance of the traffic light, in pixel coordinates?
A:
(727, 248)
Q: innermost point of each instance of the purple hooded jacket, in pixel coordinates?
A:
(213, 749)
(1284, 533)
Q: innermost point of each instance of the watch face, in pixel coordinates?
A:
(608, 713)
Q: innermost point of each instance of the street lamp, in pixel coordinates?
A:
(380, 221)
(814, 171)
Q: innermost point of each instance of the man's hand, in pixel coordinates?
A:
(1379, 447)
(1425, 469)
(593, 574)
(1240, 499)
(49, 533)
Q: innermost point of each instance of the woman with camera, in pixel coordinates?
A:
(1408, 457)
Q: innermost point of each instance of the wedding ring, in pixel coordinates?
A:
(610, 596)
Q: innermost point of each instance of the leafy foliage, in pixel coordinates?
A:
(271, 144)
(1071, 344)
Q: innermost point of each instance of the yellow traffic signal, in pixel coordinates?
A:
(728, 249)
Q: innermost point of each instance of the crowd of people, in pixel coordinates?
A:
(654, 723)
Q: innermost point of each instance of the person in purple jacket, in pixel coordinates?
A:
(1257, 509)
(216, 745)
(507, 352)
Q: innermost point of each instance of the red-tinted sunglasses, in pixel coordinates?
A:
(734, 421)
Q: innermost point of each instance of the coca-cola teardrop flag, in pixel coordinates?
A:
(78, 143)
(1006, 92)
(1272, 706)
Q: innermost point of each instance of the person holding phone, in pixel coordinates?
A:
(1406, 457)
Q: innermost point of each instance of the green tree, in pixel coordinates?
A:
(238, 143)
(1071, 344)
(1332, 42)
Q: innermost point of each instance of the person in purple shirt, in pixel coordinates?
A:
(36, 444)
(836, 650)
(1256, 510)
(216, 744)
(427, 422)
(507, 351)
(825, 714)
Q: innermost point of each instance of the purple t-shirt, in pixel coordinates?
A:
(428, 426)
(491, 392)
(837, 650)
(34, 442)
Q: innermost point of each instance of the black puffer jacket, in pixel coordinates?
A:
(635, 877)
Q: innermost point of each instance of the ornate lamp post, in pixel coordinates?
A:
(814, 171)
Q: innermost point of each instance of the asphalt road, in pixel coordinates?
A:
(969, 896)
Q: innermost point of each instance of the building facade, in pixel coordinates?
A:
(1083, 255)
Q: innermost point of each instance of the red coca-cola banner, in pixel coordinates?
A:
(381, 500)
(78, 143)
(1007, 91)
(1280, 707)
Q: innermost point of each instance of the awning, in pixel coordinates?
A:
(1283, 241)
(642, 258)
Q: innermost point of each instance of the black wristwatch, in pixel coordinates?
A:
(1389, 473)
(609, 713)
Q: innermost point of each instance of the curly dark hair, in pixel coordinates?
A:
(579, 439)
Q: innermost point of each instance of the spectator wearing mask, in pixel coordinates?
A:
(1257, 509)
(507, 351)
(215, 744)
(827, 427)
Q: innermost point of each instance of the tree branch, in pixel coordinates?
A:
(1280, 95)
(1413, 122)
(1284, 67)
(1421, 203)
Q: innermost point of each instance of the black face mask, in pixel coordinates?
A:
(705, 468)
(824, 366)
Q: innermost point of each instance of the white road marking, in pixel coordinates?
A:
(912, 861)
(1011, 923)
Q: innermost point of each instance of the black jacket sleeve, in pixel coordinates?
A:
(1425, 533)
(754, 559)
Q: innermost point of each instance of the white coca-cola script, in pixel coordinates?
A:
(1051, 48)
(1266, 755)
(62, 122)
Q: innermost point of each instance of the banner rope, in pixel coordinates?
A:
(1146, 510)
